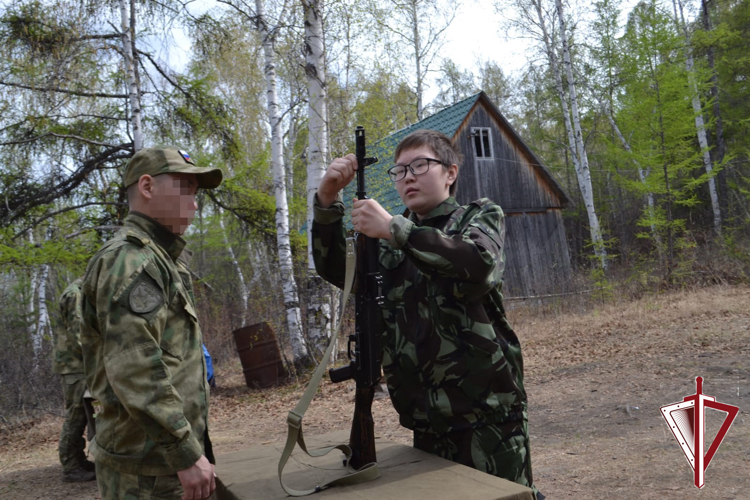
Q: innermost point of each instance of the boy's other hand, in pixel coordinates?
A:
(370, 219)
(339, 174)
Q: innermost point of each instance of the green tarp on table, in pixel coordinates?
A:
(406, 473)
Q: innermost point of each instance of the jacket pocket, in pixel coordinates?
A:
(175, 333)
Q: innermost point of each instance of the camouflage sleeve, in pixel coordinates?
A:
(329, 241)
(68, 357)
(468, 263)
(132, 327)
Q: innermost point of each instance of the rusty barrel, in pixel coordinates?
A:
(260, 356)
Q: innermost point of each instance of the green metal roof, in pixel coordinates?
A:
(377, 183)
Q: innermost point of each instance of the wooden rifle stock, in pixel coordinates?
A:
(365, 356)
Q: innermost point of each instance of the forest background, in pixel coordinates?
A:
(642, 117)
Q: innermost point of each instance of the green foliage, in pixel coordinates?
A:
(386, 104)
(603, 287)
(33, 28)
(455, 85)
(494, 83)
(655, 114)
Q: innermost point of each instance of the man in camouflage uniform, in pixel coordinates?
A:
(142, 341)
(452, 362)
(68, 362)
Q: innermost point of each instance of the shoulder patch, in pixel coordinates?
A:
(134, 237)
(144, 297)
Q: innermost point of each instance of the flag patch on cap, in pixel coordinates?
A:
(186, 156)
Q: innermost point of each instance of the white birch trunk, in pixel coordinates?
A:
(33, 319)
(584, 174)
(237, 269)
(42, 324)
(552, 57)
(37, 308)
(289, 154)
(286, 268)
(700, 126)
(584, 181)
(260, 266)
(642, 174)
(417, 58)
(319, 306)
(130, 69)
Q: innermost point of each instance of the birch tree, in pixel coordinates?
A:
(244, 288)
(532, 20)
(419, 26)
(605, 55)
(127, 14)
(584, 173)
(720, 150)
(700, 126)
(643, 173)
(655, 110)
(43, 322)
(319, 302)
(286, 267)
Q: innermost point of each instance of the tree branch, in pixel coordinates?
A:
(59, 136)
(97, 37)
(25, 201)
(64, 91)
(94, 228)
(67, 209)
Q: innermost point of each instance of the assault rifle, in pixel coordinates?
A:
(364, 345)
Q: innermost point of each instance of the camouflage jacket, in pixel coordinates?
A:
(142, 351)
(67, 357)
(450, 357)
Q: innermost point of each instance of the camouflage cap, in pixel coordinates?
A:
(162, 160)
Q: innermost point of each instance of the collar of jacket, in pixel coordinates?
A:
(159, 234)
(447, 207)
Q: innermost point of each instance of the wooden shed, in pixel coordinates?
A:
(500, 166)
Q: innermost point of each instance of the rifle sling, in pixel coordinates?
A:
(294, 419)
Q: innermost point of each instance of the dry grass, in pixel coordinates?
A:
(596, 374)
(710, 319)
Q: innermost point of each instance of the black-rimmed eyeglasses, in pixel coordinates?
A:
(417, 167)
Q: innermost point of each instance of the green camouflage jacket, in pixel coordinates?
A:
(450, 358)
(142, 352)
(67, 357)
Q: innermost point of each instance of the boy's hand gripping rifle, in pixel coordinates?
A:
(364, 346)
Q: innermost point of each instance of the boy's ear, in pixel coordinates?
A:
(452, 173)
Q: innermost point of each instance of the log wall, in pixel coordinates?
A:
(537, 257)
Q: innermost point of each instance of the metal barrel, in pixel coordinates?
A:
(259, 355)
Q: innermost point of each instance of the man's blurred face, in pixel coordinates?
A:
(173, 201)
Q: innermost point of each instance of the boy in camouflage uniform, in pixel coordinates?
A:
(452, 362)
(68, 362)
(142, 341)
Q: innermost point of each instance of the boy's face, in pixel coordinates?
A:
(422, 193)
(173, 201)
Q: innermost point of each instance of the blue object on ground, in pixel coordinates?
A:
(209, 367)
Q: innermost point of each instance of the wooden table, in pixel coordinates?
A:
(406, 473)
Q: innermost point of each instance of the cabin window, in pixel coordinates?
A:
(482, 142)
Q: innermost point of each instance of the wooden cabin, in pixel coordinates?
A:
(500, 166)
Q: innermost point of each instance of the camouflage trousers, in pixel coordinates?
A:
(500, 450)
(115, 485)
(72, 442)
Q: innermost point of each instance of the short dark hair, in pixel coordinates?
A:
(439, 143)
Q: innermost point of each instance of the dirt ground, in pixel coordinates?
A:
(595, 381)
